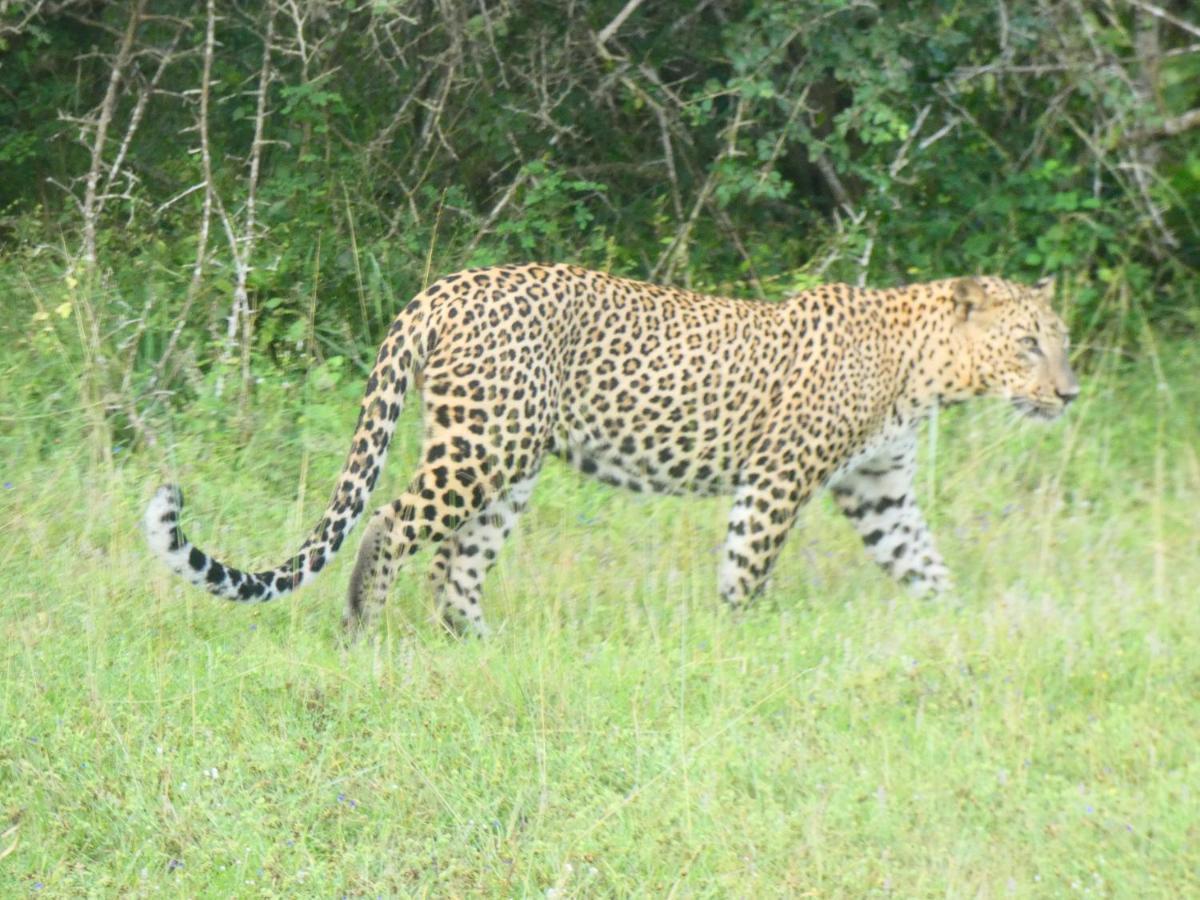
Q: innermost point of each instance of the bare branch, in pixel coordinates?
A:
(241, 247)
(504, 200)
(901, 158)
(206, 185)
(139, 109)
(1169, 127)
(939, 134)
(664, 131)
(840, 194)
(670, 259)
(1160, 13)
(91, 204)
(606, 33)
(10, 30)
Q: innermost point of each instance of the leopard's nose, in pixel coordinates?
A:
(1067, 387)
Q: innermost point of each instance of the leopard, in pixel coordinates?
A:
(662, 390)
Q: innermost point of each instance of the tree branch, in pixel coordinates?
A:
(1159, 13)
(606, 33)
(1169, 127)
(91, 202)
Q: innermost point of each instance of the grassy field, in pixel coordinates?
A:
(1033, 735)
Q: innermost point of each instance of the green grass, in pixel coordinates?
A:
(1033, 735)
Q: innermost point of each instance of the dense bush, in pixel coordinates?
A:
(265, 183)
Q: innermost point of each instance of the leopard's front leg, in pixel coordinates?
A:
(782, 474)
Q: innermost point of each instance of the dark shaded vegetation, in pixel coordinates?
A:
(218, 191)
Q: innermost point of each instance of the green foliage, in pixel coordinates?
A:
(552, 217)
(748, 147)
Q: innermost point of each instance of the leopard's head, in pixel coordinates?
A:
(1017, 344)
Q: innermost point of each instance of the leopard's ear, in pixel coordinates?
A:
(1044, 288)
(970, 297)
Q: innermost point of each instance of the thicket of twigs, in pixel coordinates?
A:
(213, 184)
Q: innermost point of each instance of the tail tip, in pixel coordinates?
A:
(171, 495)
(161, 521)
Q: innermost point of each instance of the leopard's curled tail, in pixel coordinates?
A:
(402, 355)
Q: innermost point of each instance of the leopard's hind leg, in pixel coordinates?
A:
(422, 515)
(462, 563)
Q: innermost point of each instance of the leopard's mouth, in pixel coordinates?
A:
(1040, 410)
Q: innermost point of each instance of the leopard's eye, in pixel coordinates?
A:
(1030, 343)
